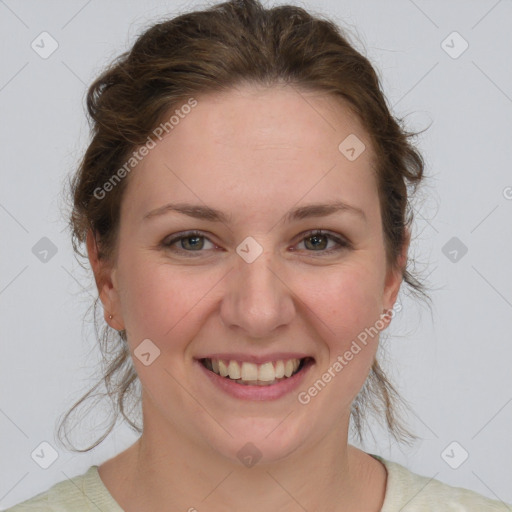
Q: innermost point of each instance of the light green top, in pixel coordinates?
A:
(405, 492)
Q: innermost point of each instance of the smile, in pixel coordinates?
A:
(252, 374)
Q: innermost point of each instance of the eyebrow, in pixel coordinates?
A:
(298, 213)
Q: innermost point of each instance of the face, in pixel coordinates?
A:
(258, 285)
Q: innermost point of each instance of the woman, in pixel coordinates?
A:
(244, 206)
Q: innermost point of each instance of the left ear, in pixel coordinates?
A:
(394, 276)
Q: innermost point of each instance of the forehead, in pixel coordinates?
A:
(252, 117)
(252, 144)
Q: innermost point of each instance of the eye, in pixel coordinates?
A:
(192, 241)
(315, 241)
(318, 240)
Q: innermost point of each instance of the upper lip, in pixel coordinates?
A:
(254, 358)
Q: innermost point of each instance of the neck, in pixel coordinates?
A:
(164, 470)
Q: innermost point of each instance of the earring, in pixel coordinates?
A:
(110, 317)
(385, 313)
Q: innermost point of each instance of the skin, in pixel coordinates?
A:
(253, 153)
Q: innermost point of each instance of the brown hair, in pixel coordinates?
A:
(214, 50)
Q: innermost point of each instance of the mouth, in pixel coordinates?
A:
(246, 373)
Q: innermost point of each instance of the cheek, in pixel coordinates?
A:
(346, 300)
(347, 308)
(160, 302)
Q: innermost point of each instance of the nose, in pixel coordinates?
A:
(258, 298)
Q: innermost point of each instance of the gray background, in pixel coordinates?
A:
(453, 366)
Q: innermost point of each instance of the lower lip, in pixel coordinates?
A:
(243, 392)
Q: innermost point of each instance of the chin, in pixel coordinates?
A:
(258, 440)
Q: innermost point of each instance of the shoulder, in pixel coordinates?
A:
(409, 492)
(82, 493)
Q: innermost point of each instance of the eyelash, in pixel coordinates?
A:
(342, 243)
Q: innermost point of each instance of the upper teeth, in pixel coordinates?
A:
(266, 372)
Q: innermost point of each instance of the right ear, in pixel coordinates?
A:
(104, 276)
